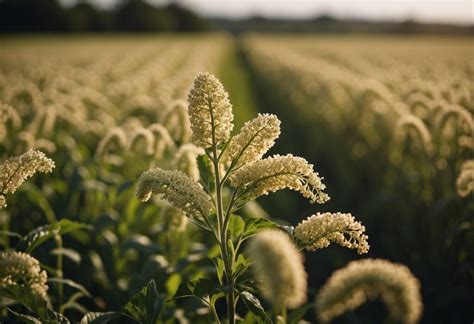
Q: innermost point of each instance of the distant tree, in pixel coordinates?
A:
(85, 17)
(185, 19)
(32, 16)
(139, 16)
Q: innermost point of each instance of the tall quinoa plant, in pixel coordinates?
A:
(233, 172)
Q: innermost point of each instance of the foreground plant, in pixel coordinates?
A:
(232, 172)
(364, 280)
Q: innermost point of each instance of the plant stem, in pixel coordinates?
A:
(222, 233)
(59, 269)
(222, 226)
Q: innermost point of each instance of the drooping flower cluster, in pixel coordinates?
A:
(116, 136)
(318, 231)
(363, 280)
(7, 113)
(465, 180)
(279, 172)
(280, 267)
(210, 111)
(255, 138)
(15, 170)
(18, 268)
(178, 189)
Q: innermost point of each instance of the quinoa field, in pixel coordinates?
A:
(259, 178)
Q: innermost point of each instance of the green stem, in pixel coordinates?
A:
(222, 227)
(59, 269)
(284, 314)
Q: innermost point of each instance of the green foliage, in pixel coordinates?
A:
(146, 305)
(41, 234)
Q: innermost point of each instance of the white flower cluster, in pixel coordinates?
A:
(15, 170)
(465, 180)
(279, 265)
(279, 172)
(178, 189)
(363, 280)
(210, 111)
(255, 138)
(318, 231)
(18, 268)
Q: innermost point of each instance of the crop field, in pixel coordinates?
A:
(374, 137)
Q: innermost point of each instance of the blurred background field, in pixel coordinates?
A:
(382, 108)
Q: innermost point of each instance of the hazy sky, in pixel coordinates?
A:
(454, 11)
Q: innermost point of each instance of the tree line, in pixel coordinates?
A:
(127, 16)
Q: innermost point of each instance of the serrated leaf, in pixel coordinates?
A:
(43, 233)
(99, 318)
(253, 305)
(146, 305)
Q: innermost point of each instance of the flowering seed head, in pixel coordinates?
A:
(279, 172)
(363, 280)
(18, 268)
(210, 111)
(145, 135)
(178, 189)
(185, 160)
(465, 180)
(15, 170)
(318, 231)
(255, 138)
(279, 265)
(116, 136)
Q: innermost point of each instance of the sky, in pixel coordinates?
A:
(445, 11)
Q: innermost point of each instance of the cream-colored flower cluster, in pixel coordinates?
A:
(465, 180)
(15, 170)
(279, 172)
(318, 231)
(178, 189)
(210, 111)
(255, 138)
(18, 268)
(279, 265)
(367, 279)
(7, 113)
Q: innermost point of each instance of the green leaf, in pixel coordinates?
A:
(236, 226)
(11, 234)
(295, 316)
(254, 225)
(220, 268)
(25, 318)
(172, 284)
(253, 305)
(72, 284)
(36, 303)
(146, 305)
(41, 234)
(206, 173)
(99, 318)
(240, 266)
(202, 288)
(71, 254)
